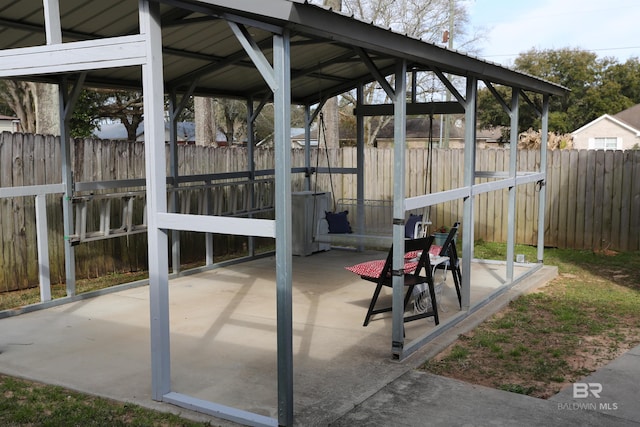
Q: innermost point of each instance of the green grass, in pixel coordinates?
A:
(25, 403)
(591, 311)
(20, 298)
(15, 299)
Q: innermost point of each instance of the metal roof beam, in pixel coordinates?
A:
(110, 52)
(413, 109)
(317, 68)
(52, 21)
(498, 97)
(237, 58)
(254, 52)
(230, 17)
(82, 36)
(322, 23)
(375, 72)
(72, 98)
(450, 86)
(530, 102)
(345, 87)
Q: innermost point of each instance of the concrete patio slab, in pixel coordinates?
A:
(613, 389)
(223, 338)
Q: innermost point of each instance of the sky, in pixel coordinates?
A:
(609, 28)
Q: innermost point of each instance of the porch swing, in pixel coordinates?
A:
(335, 227)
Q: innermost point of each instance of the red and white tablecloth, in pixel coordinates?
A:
(374, 268)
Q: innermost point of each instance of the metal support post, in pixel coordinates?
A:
(542, 195)
(469, 181)
(282, 126)
(513, 189)
(251, 143)
(399, 154)
(360, 144)
(67, 181)
(307, 147)
(152, 76)
(173, 167)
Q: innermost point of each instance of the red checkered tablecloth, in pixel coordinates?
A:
(374, 268)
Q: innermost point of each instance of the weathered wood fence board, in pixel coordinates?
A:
(593, 197)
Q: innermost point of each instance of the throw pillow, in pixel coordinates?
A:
(338, 222)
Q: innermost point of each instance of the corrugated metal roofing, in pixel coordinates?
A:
(198, 44)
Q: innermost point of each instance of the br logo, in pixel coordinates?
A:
(583, 390)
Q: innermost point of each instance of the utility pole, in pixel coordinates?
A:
(444, 142)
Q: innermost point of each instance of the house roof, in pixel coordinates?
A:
(609, 118)
(630, 116)
(117, 131)
(419, 127)
(330, 52)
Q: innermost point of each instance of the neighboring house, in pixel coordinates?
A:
(297, 139)
(418, 134)
(9, 124)
(618, 132)
(116, 132)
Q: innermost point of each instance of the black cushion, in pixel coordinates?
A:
(338, 222)
(410, 225)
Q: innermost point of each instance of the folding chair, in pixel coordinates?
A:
(453, 264)
(421, 274)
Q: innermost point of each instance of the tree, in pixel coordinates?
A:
(423, 19)
(35, 105)
(19, 96)
(47, 109)
(126, 106)
(86, 114)
(330, 115)
(627, 75)
(233, 114)
(203, 109)
(597, 86)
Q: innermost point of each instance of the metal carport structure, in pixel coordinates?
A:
(284, 51)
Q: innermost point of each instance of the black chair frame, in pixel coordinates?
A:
(422, 274)
(453, 264)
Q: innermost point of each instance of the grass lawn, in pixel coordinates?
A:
(25, 403)
(586, 317)
(545, 340)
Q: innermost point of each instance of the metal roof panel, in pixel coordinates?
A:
(199, 45)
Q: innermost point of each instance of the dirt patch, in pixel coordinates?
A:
(594, 353)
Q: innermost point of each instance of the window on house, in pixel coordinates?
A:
(606, 143)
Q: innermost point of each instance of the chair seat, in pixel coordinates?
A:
(417, 269)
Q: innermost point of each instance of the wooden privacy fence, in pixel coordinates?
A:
(593, 197)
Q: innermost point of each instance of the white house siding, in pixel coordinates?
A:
(605, 128)
(8, 124)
